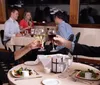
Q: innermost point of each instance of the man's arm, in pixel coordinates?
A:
(78, 49)
(21, 52)
(6, 30)
(85, 50)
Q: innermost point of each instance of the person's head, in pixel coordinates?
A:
(47, 11)
(27, 16)
(58, 17)
(14, 14)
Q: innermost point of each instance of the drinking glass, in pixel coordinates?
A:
(42, 38)
(32, 32)
(51, 35)
(67, 61)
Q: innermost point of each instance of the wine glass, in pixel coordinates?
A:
(42, 37)
(51, 35)
(32, 32)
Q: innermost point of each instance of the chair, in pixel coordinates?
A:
(76, 41)
(2, 36)
(77, 37)
(71, 37)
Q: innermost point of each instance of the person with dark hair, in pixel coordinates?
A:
(66, 19)
(64, 29)
(11, 27)
(38, 15)
(86, 17)
(46, 15)
(27, 23)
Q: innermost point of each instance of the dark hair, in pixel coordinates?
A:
(13, 10)
(47, 11)
(59, 14)
(62, 15)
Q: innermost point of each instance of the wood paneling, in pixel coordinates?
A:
(74, 11)
(93, 61)
(2, 11)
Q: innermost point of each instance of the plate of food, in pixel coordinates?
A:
(88, 75)
(22, 72)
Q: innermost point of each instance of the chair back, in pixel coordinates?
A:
(2, 36)
(77, 37)
(71, 37)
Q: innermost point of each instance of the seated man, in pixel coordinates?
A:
(78, 49)
(64, 29)
(11, 27)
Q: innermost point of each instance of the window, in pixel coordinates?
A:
(89, 12)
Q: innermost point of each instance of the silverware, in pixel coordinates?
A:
(28, 78)
(36, 72)
(72, 73)
(85, 82)
(76, 70)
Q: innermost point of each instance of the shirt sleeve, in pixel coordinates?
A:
(18, 31)
(7, 57)
(73, 46)
(6, 30)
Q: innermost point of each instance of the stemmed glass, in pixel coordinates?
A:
(51, 35)
(32, 32)
(42, 37)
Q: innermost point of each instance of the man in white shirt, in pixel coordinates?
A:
(11, 27)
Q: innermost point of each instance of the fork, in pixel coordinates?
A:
(75, 80)
(36, 72)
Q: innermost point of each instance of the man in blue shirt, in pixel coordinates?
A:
(64, 29)
(11, 27)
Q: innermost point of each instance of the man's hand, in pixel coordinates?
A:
(18, 35)
(35, 44)
(58, 40)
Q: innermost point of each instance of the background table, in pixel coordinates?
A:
(19, 41)
(63, 81)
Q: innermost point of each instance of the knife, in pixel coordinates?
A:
(28, 78)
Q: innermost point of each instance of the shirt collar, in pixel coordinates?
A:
(61, 22)
(12, 19)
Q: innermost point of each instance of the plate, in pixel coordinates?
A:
(92, 79)
(31, 63)
(20, 76)
(50, 82)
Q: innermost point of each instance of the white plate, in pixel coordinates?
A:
(14, 75)
(31, 63)
(92, 79)
(50, 82)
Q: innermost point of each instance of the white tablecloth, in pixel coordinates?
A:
(64, 81)
(19, 41)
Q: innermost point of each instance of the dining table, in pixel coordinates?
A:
(70, 78)
(19, 41)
